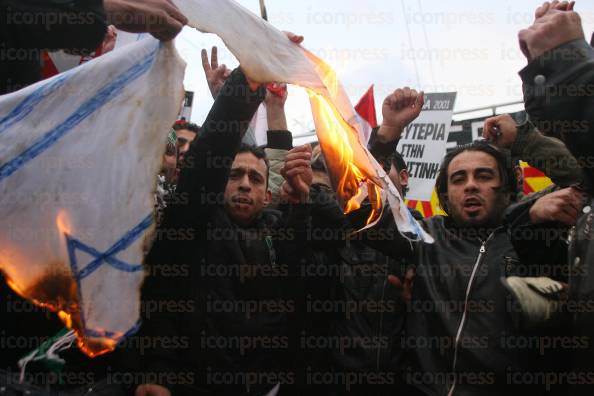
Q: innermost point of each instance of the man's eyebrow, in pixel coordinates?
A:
(256, 172)
(460, 172)
(489, 170)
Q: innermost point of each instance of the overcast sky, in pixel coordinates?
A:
(437, 46)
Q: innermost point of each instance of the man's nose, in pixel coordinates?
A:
(244, 183)
(471, 185)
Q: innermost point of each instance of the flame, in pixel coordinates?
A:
(14, 286)
(66, 318)
(57, 291)
(63, 222)
(339, 141)
(326, 73)
(94, 347)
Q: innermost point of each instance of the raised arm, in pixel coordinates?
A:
(200, 188)
(547, 154)
(280, 140)
(399, 109)
(557, 78)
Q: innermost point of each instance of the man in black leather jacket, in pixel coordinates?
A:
(559, 98)
(459, 332)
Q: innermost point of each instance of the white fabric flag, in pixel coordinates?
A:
(78, 158)
(266, 55)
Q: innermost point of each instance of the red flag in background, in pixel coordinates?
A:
(366, 108)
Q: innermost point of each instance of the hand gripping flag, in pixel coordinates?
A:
(78, 158)
(267, 55)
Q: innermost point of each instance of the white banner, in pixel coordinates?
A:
(423, 144)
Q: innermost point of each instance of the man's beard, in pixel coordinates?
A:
(493, 219)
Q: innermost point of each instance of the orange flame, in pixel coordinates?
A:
(339, 142)
(57, 291)
(70, 314)
(63, 222)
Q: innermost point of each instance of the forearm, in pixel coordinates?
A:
(53, 24)
(535, 244)
(207, 164)
(380, 146)
(388, 134)
(298, 221)
(548, 155)
(558, 96)
(276, 117)
(276, 161)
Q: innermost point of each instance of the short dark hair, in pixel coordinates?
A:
(179, 125)
(509, 182)
(257, 152)
(397, 160)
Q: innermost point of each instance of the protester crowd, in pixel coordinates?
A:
(258, 283)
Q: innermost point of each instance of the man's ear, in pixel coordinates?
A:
(267, 198)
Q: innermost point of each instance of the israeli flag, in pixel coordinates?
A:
(79, 155)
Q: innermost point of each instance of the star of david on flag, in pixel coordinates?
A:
(79, 154)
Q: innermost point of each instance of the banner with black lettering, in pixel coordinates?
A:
(423, 143)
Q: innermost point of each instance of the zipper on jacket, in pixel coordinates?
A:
(477, 263)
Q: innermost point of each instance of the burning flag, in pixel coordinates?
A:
(78, 158)
(341, 132)
(79, 154)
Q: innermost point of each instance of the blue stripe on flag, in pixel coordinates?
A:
(106, 94)
(27, 105)
(109, 255)
(100, 257)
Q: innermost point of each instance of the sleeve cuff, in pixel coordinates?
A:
(525, 131)
(554, 65)
(238, 79)
(518, 215)
(381, 150)
(280, 140)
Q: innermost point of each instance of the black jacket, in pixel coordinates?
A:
(460, 329)
(558, 95)
(559, 99)
(231, 321)
(364, 314)
(27, 26)
(358, 315)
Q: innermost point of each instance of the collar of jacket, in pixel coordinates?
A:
(478, 234)
(265, 219)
